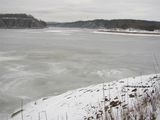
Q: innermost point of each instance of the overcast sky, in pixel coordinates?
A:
(72, 10)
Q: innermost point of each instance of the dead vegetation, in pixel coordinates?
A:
(143, 106)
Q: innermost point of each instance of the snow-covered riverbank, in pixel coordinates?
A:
(136, 98)
(129, 32)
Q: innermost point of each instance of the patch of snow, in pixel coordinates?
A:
(134, 98)
(132, 32)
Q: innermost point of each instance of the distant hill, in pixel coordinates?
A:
(14, 21)
(110, 24)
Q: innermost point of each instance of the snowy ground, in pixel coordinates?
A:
(130, 31)
(134, 98)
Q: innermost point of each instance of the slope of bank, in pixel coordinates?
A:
(130, 98)
(19, 21)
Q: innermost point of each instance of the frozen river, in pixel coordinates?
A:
(47, 62)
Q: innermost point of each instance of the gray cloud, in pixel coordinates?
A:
(71, 10)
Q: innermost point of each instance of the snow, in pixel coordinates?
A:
(135, 98)
(132, 32)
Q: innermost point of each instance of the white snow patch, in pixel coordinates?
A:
(54, 31)
(132, 32)
(133, 98)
